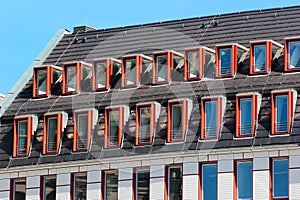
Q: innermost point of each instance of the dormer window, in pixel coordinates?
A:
(103, 70)
(228, 57)
(132, 67)
(262, 53)
(43, 79)
(197, 61)
(163, 65)
(73, 74)
(292, 54)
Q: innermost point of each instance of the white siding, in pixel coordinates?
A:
(190, 168)
(157, 189)
(261, 185)
(93, 191)
(63, 192)
(4, 184)
(294, 161)
(93, 176)
(190, 187)
(125, 190)
(225, 166)
(125, 174)
(294, 184)
(33, 194)
(261, 163)
(4, 195)
(33, 182)
(63, 179)
(157, 171)
(225, 186)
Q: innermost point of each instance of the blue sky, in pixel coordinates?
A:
(27, 26)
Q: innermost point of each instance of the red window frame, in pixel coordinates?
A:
(109, 72)
(42, 186)
(287, 53)
(49, 80)
(234, 59)
(103, 181)
(184, 119)
(269, 45)
(170, 65)
(203, 117)
(200, 194)
(121, 126)
(135, 181)
(72, 188)
(79, 76)
(254, 98)
(166, 188)
(290, 95)
(235, 180)
(29, 120)
(12, 189)
(89, 113)
(59, 117)
(201, 51)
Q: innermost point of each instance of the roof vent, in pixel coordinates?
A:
(83, 29)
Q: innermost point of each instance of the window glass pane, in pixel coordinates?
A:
(56, 75)
(176, 121)
(71, 78)
(22, 137)
(281, 113)
(145, 116)
(111, 186)
(143, 178)
(79, 187)
(101, 74)
(19, 190)
(49, 192)
(294, 52)
(225, 61)
(211, 119)
(209, 182)
(161, 68)
(41, 81)
(260, 58)
(244, 180)
(193, 64)
(82, 130)
(175, 183)
(280, 178)
(113, 127)
(130, 71)
(246, 116)
(52, 134)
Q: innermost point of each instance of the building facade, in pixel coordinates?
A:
(202, 108)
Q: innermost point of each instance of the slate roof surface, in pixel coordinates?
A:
(275, 24)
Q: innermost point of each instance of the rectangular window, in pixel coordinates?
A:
(101, 74)
(110, 186)
(294, 52)
(208, 181)
(142, 181)
(130, 71)
(145, 124)
(41, 81)
(162, 68)
(280, 179)
(52, 134)
(22, 136)
(281, 102)
(174, 182)
(211, 119)
(193, 63)
(71, 79)
(79, 186)
(260, 52)
(246, 116)
(225, 61)
(48, 189)
(243, 180)
(18, 191)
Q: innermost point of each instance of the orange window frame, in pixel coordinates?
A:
(166, 188)
(138, 69)
(49, 80)
(12, 188)
(169, 65)
(218, 100)
(287, 54)
(89, 113)
(290, 111)
(121, 127)
(109, 63)
(254, 116)
(138, 122)
(72, 187)
(200, 177)
(58, 135)
(184, 119)
(16, 134)
(42, 186)
(103, 181)
(135, 181)
(235, 180)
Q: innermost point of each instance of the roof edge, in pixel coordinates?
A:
(23, 80)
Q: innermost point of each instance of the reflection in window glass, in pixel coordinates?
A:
(22, 137)
(176, 121)
(211, 119)
(142, 187)
(71, 79)
(245, 116)
(244, 180)
(209, 181)
(82, 131)
(113, 127)
(111, 186)
(175, 183)
(281, 106)
(101, 74)
(294, 52)
(260, 58)
(19, 190)
(41, 81)
(52, 134)
(161, 68)
(130, 71)
(280, 178)
(145, 116)
(225, 61)
(49, 186)
(79, 192)
(193, 64)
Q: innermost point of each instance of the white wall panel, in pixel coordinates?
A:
(157, 171)
(225, 186)
(261, 185)
(93, 191)
(225, 165)
(33, 194)
(190, 187)
(190, 168)
(294, 184)
(63, 179)
(4, 184)
(33, 181)
(93, 176)
(4, 195)
(125, 174)
(157, 189)
(63, 192)
(261, 163)
(125, 190)
(294, 161)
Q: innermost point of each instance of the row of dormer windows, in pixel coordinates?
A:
(198, 62)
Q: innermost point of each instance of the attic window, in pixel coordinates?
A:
(262, 53)
(103, 71)
(292, 52)
(43, 79)
(197, 61)
(73, 75)
(163, 65)
(228, 57)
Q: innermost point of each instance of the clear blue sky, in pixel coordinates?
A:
(27, 26)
